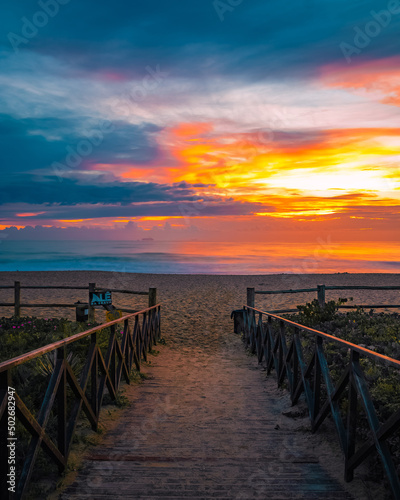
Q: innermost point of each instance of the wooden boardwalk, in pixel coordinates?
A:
(208, 424)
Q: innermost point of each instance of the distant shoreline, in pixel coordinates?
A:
(72, 271)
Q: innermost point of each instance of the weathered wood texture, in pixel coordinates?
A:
(141, 331)
(310, 378)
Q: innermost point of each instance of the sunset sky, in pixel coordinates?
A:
(255, 120)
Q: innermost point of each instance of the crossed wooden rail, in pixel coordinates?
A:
(289, 362)
(103, 372)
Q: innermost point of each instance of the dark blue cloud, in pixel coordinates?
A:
(256, 39)
(49, 190)
(36, 143)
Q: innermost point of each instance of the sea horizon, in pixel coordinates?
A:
(193, 257)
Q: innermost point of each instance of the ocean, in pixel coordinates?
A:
(195, 257)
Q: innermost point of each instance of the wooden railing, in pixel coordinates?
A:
(313, 379)
(17, 305)
(321, 289)
(140, 331)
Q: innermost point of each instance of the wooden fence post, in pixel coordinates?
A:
(17, 299)
(251, 296)
(91, 310)
(152, 297)
(321, 295)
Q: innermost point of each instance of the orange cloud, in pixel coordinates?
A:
(380, 79)
(240, 166)
(29, 214)
(191, 129)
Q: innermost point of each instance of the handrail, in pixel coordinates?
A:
(344, 343)
(100, 372)
(313, 379)
(23, 358)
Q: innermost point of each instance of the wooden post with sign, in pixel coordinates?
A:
(91, 312)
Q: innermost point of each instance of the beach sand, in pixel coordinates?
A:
(195, 308)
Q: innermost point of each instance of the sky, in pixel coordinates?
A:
(235, 120)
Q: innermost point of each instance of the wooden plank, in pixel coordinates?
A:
(327, 287)
(53, 287)
(362, 287)
(300, 290)
(47, 305)
(372, 306)
(132, 292)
